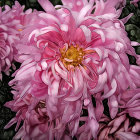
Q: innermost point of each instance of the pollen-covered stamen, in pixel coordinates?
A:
(72, 56)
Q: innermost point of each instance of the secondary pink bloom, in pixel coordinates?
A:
(37, 123)
(43, 121)
(122, 127)
(10, 27)
(125, 125)
(130, 101)
(73, 53)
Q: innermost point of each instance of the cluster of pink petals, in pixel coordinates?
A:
(122, 127)
(49, 97)
(37, 125)
(12, 21)
(9, 34)
(126, 125)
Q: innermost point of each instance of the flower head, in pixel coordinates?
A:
(72, 52)
(125, 125)
(122, 127)
(11, 20)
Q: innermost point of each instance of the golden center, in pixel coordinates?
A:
(73, 55)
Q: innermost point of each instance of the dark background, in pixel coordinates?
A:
(132, 28)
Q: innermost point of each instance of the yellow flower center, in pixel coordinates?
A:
(73, 56)
(20, 30)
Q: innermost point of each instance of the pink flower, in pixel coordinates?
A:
(11, 24)
(69, 55)
(125, 125)
(122, 127)
(37, 124)
(130, 101)
(40, 122)
(79, 50)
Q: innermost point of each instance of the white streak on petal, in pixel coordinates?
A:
(87, 32)
(119, 46)
(83, 13)
(38, 42)
(95, 25)
(117, 25)
(86, 102)
(84, 73)
(45, 78)
(25, 71)
(101, 69)
(101, 33)
(113, 54)
(91, 17)
(61, 64)
(60, 71)
(53, 71)
(107, 16)
(75, 81)
(64, 15)
(4, 27)
(7, 62)
(99, 52)
(46, 30)
(64, 27)
(44, 65)
(87, 60)
(50, 28)
(49, 16)
(112, 91)
(114, 104)
(134, 43)
(34, 32)
(101, 82)
(69, 60)
(38, 68)
(53, 88)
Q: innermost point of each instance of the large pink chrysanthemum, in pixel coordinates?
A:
(11, 23)
(74, 52)
(79, 50)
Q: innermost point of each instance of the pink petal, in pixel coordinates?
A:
(47, 6)
(113, 106)
(112, 91)
(127, 136)
(87, 32)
